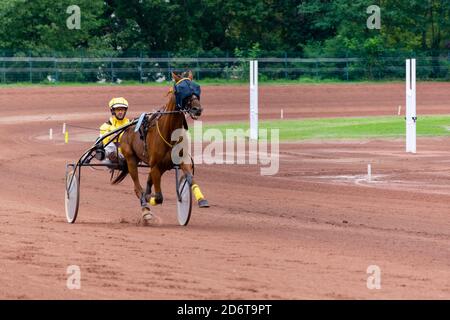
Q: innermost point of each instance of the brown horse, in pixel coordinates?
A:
(153, 146)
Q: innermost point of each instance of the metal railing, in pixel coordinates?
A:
(148, 69)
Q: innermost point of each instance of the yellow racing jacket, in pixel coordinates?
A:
(112, 124)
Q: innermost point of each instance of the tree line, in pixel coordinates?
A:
(227, 27)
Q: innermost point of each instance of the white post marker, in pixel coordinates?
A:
(50, 134)
(282, 114)
(399, 110)
(64, 128)
(411, 116)
(254, 100)
(369, 172)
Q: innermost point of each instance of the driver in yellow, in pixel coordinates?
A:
(118, 108)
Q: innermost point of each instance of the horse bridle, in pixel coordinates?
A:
(185, 90)
(183, 104)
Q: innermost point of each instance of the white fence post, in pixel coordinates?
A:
(254, 100)
(411, 116)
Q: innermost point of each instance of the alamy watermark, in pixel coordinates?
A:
(374, 20)
(74, 20)
(74, 279)
(212, 146)
(374, 279)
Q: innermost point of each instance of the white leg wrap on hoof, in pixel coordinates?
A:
(147, 214)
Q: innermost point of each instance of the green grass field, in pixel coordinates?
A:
(347, 128)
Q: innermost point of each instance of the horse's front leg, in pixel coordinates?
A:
(155, 177)
(132, 164)
(201, 200)
(148, 190)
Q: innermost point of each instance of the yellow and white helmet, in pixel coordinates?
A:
(118, 103)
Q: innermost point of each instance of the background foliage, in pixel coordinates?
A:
(232, 28)
(308, 27)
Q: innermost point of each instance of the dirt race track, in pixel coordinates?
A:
(311, 231)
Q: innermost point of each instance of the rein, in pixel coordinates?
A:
(161, 113)
(163, 139)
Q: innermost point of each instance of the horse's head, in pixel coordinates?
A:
(187, 94)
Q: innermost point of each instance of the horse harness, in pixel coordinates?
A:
(152, 120)
(182, 89)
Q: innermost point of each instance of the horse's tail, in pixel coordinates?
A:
(123, 173)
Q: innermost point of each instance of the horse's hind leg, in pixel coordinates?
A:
(201, 200)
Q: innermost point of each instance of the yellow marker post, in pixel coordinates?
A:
(66, 137)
